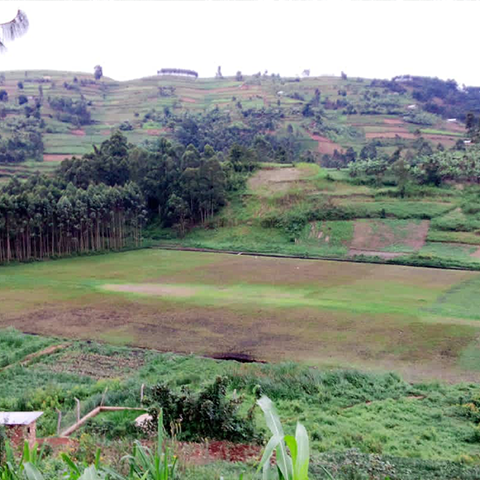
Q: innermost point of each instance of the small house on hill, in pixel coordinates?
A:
(20, 426)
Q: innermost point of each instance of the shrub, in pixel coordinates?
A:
(206, 414)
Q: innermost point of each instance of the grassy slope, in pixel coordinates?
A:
(421, 322)
(427, 227)
(378, 414)
(114, 102)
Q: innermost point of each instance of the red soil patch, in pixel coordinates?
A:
(476, 253)
(106, 133)
(188, 100)
(78, 132)
(155, 131)
(393, 121)
(445, 140)
(325, 145)
(54, 157)
(203, 453)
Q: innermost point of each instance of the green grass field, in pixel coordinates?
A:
(420, 322)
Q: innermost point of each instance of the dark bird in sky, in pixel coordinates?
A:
(13, 29)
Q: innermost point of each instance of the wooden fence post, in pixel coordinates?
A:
(103, 397)
(59, 422)
(141, 392)
(78, 409)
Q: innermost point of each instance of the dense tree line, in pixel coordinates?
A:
(179, 184)
(43, 218)
(102, 200)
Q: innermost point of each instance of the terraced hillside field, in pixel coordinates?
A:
(304, 210)
(423, 323)
(145, 104)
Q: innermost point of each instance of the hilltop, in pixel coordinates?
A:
(320, 115)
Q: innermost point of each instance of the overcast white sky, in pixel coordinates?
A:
(132, 39)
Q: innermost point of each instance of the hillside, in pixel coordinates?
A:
(307, 211)
(320, 114)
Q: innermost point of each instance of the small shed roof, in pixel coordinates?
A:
(19, 418)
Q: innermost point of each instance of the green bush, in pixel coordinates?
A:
(206, 414)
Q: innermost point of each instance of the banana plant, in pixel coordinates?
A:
(152, 465)
(90, 473)
(93, 472)
(13, 470)
(289, 467)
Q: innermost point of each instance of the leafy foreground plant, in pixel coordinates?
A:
(147, 465)
(25, 467)
(288, 468)
(160, 464)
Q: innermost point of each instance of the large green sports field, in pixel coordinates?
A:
(423, 323)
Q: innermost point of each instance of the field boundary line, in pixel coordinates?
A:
(93, 413)
(302, 257)
(32, 356)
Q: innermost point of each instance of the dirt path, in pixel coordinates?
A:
(32, 356)
(45, 351)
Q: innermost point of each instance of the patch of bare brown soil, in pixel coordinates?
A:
(153, 289)
(99, 366)
(188, 100)
(204, 453)
(445, 140)
(476, 253)
(393, 121)
(55, 157)
(373, 237)
(78, 132)
(277, 179)
(325, 145)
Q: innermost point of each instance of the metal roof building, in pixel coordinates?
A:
(19, 418)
